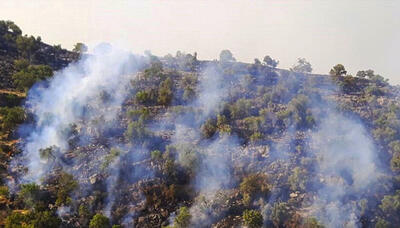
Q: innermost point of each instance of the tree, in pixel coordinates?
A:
(182, 220)
(165, 92)
(99, 221)
(268, 61)
(338, 70)
(257, 61)
(80, 48)
(226, 56)
(302, 66)
(252, 218)
(26, 78)
(26, 45)
(365, 73)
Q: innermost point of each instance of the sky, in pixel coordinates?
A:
(360, 34)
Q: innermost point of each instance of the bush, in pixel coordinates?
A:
(182, 220)
(165, 92)
(208, 129)
(240, 109)
(254, 185)
(65, 186)
(145, 97)
(11, 117)
(156, 155)
(99, 221)
(109, 158)
(136, 132)
(26, 78)
(252, 218)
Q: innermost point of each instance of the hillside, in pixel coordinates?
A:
(115, 139)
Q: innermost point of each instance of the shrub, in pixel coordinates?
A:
(99, 221)
(156, 155)
(182, 220)
(11, 117)
(26, 78)
(165, 92)
(240, 109)
(208, 129)
(252, 218)
(252, 186)
(66, 185)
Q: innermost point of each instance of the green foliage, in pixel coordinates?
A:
(136, 132)
(390, 204)
(11, 117)
(31, 195)
(240, 109)
(252, 218)
(268, 61)
(223, 125)
(80, 48)
(182, 220)
(9, 26)
(254, 185)
(209, 128)
(156, 155)
(99, 221)
(312, 223)
(338, 70)
(65, 186)
(4, 191)
(27, 45)
(26, 78)
(155, 71)
(110, 158)
(32, 219)
(165, 92)
(45, 219)
(146, 97)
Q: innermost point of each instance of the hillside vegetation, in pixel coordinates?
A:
(117, 140)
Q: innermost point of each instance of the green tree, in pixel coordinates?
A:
(80, 48)
(338, 70)
(182, 220)
(99, 221)
(252, 218)
(226, 56)
(27, 45)
(268, 61)
(26, 78)
(165, 92)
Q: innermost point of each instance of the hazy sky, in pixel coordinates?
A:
(360, 34)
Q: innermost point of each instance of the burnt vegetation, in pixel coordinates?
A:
(270, 112)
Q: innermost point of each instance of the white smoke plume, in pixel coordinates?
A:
(346, 167)
(91, 90)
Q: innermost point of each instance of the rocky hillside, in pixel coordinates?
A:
(121, 140)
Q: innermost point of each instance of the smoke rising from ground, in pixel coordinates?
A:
(95, 86)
